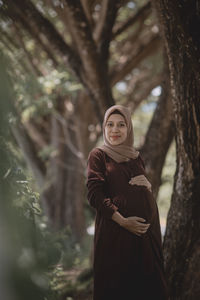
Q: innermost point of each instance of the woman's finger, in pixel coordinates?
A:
(142, 231)
(137, 234)
(148, 185)
(139, 182)
(138, 219)
(139, 178)
(143, 227)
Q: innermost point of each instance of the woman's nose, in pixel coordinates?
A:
(115, 128)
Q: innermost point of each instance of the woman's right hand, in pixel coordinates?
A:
(135, 225)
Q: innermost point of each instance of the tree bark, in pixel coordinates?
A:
(180, 23)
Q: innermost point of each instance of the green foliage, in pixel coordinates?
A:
(37, 97)
(40, 256)
(32, 252)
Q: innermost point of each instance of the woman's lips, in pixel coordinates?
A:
(115, 136)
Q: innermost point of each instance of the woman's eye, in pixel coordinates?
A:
(118, 125)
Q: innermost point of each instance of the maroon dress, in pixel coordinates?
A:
(126, 266)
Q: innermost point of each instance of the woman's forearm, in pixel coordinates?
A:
(118, 218)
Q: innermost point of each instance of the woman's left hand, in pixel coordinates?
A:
(140, 180)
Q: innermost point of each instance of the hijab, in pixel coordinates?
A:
(125, 151)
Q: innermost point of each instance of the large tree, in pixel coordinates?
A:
(101, 43)
(180, 22)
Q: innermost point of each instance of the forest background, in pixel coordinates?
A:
(63, 63)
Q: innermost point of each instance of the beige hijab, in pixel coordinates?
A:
(123, 152)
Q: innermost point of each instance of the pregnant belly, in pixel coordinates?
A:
(137, 201)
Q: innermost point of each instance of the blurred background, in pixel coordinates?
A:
(63, 63)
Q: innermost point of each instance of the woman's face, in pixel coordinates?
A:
(116, 129)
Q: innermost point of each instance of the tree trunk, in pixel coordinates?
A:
(180, 22)
(63, 193)
(159, 135)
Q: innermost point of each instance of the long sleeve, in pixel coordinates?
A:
(96, 184)
(142, 161)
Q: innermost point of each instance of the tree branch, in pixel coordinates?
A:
(35, 134)
(141, 14)
(87, 10)
(10, 47)
(141, 91)
(62, 13)
(101, 20)
(34, 33)
(30, 154)
(31, 19)
(103, 30)
(144, 50)
(95, 77)
(35, 68)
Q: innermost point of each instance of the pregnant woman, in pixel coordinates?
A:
(128, 259)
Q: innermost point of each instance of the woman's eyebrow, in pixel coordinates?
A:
(117, 121)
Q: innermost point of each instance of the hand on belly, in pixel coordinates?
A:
(140, 180)
(135, 225)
